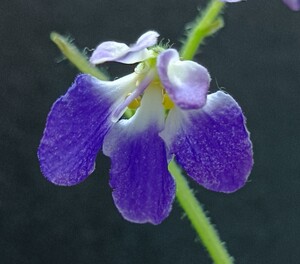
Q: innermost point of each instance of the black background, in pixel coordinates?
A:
(256, 57)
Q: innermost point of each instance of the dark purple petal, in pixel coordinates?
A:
(186, 82)
(143, 189)
(76, 126)
(120, 52)
(212, 144)
(293, 4)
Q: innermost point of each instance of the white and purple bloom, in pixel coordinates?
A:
(206, 134)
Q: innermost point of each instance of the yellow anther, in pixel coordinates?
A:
(135, 103)
(167, 102)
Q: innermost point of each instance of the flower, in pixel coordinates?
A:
(293, 4)
(205, 133)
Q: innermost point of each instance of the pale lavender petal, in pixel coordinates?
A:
(293, 4)
(135, 57)
(147, 40)
(143, 189)
(109, 51)
(186, 82)
(120, 52)
(76, 126)
(212, 144)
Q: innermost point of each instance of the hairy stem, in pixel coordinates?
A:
(199, 220)
(208, 23)
(75, 56)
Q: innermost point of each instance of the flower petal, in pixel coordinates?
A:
(186, 82)
(76, 126)
(143, 189)
(108, 51)
(147, 40)
(120, 52)
(212, 144)
(293, 4)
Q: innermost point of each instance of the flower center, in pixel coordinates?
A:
(143, 70)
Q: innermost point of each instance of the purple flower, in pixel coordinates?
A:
(205, 133)
(293, 4)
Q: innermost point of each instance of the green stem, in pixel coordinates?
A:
(75, 56)
(199, 220)
(202, 29)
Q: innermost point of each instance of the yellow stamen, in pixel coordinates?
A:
(167, 102)
(135, 103)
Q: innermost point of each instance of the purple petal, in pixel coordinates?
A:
(147, 40)
(212, 144)
(293, 4)
(76, 126)
(186, 82)
(109, 51)
(143, 189)
(120, 52)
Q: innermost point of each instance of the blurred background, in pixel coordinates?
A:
(256, 58)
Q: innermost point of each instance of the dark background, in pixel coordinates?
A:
(256, 58)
